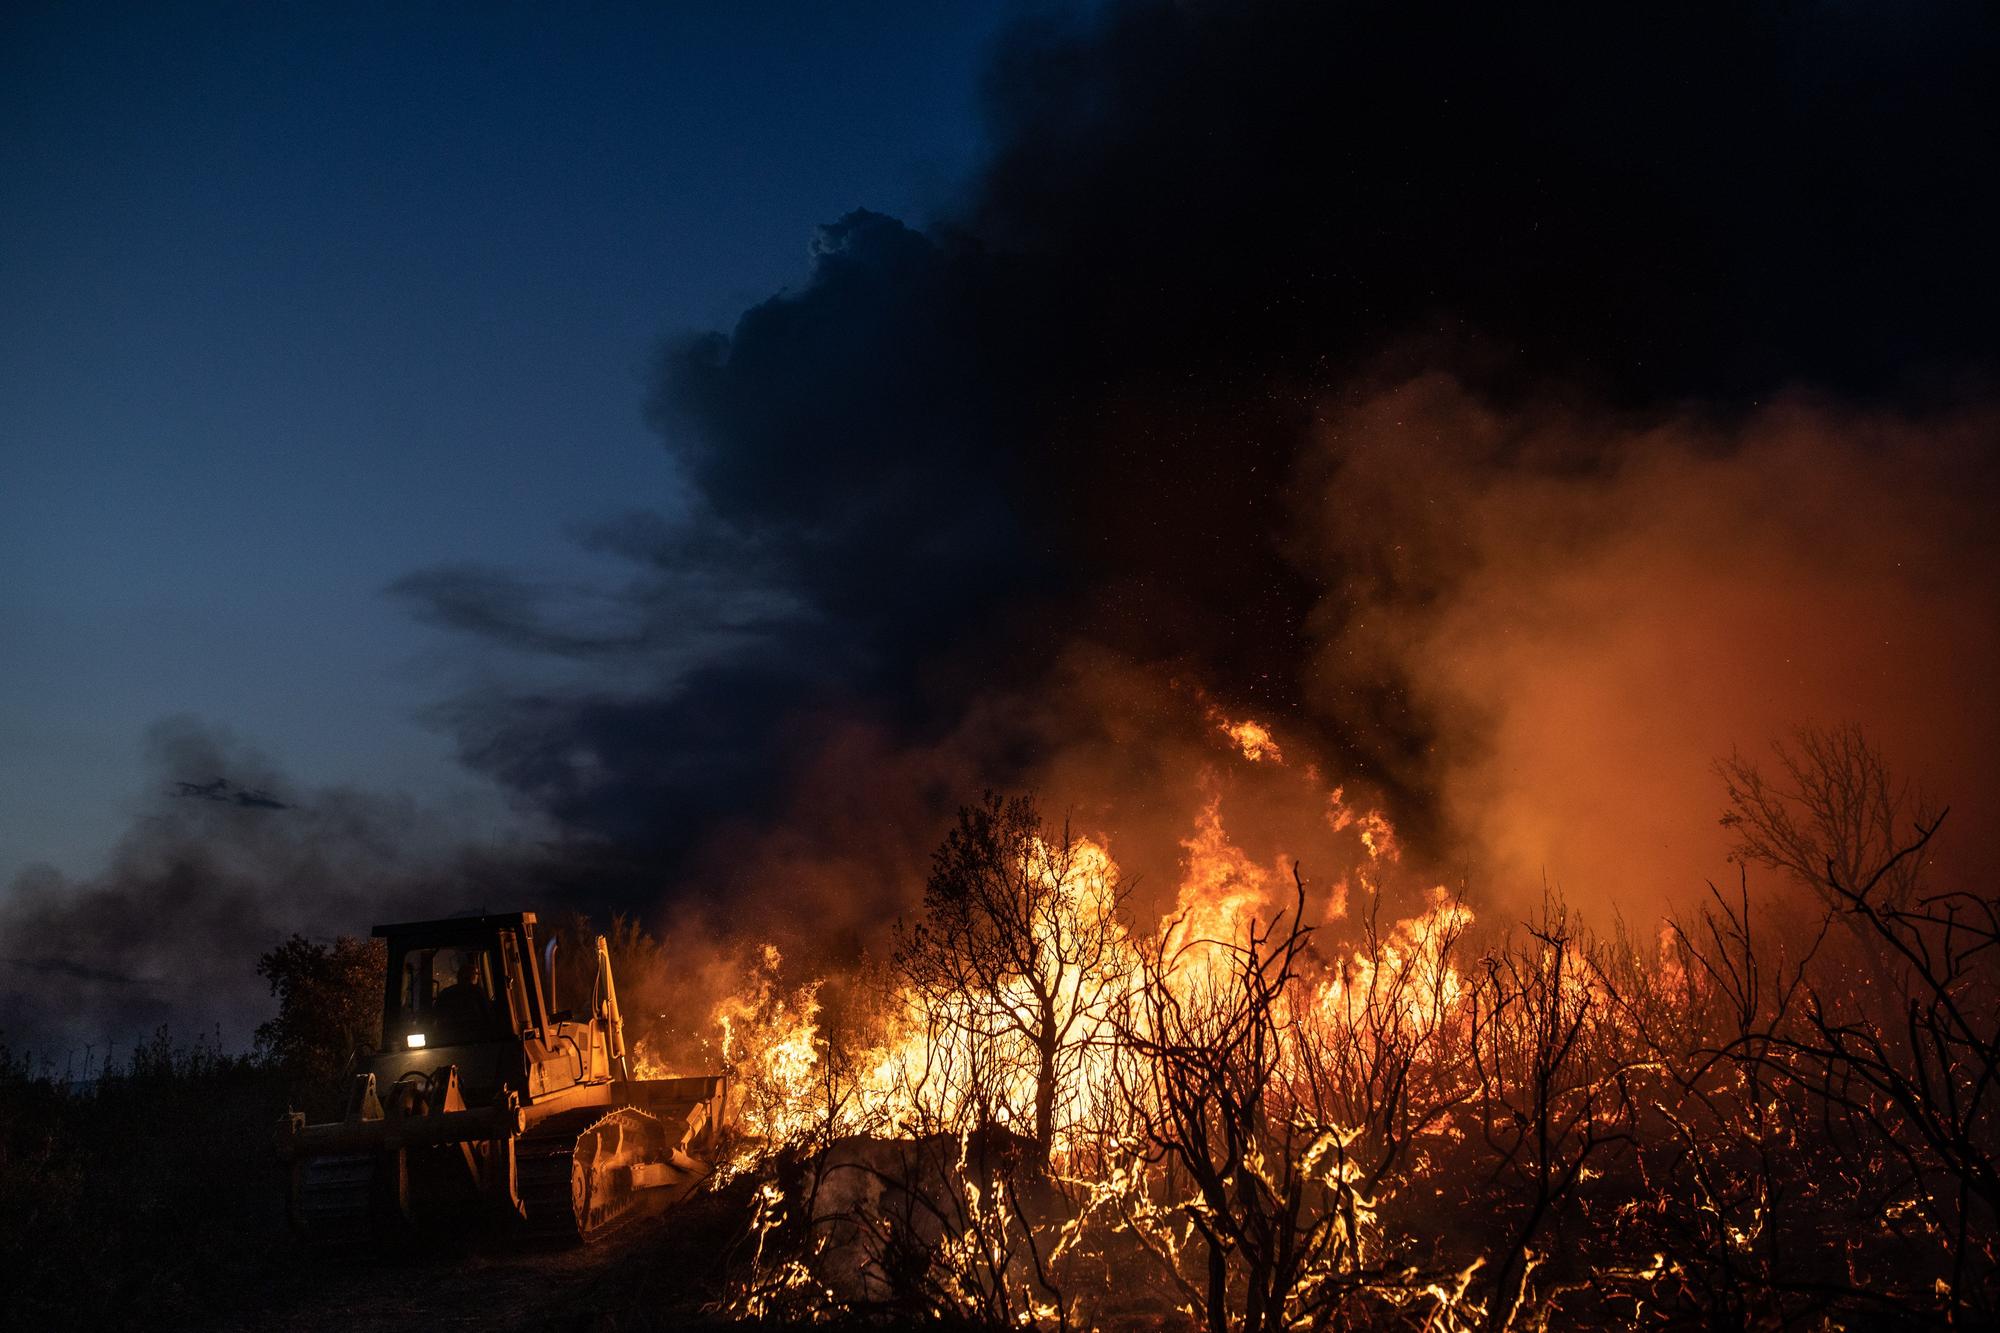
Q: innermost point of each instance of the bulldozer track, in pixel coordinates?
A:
(567, 1170)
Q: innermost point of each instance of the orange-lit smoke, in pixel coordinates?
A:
(1597, 610)
(1587, 613)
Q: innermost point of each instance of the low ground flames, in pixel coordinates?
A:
(1343, 1099)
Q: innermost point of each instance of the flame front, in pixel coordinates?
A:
(926, 1062)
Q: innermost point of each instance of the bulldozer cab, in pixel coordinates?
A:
(464, 991)
(460, 980)
(445, 994)
(468, 991)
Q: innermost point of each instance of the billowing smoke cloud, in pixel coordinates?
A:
(1112, 436)
(229, 857)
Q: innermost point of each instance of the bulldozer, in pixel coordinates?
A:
(486, 1099)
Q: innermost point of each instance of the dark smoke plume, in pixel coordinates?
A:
(1124, 407)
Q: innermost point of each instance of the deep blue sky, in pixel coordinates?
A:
(296, 299)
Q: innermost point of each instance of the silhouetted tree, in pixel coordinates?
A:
(1830, 816)
(329, 1005)
(1019, 944)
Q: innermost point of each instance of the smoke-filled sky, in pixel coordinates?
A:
(667, 464)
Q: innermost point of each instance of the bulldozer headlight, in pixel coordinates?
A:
(416, 1040)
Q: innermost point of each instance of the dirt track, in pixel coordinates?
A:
(656, 1272)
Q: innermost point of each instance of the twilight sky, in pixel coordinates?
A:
(297, 299)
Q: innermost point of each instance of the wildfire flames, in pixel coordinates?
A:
(939, 1059)
(1275, 1104)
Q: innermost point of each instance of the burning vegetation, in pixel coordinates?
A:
(1288, 1100)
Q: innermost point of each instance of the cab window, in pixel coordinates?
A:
(450, 988)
